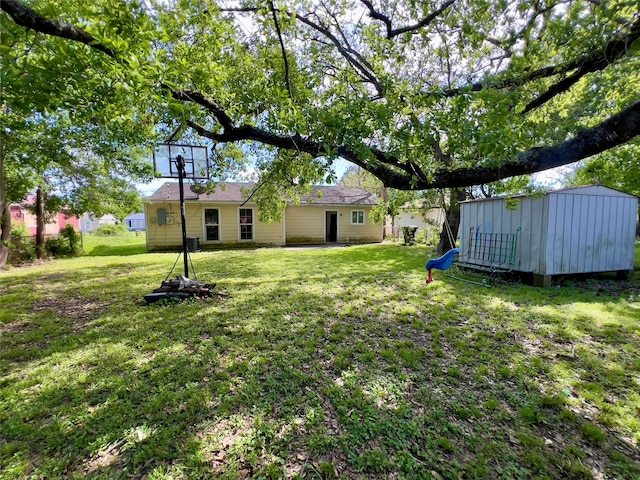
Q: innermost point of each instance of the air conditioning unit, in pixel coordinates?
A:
(193, 244)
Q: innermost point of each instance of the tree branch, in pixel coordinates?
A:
(616, 130)
(199, 99)
(284, 51)
(394, 32)
(28, 18)
(612, 132)
(594, 61)
(362, 67)
(352, 57)
(613, 51)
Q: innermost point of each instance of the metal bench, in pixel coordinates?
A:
(488, 253)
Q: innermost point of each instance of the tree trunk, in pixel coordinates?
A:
(5, 211)
(40, 223)
(5, 236)
(452, 219)
(385, 199)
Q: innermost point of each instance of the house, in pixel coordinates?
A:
(222, 219)
(135, 222)
(429, 221)
(574, 230)
(89, 222)
(22, 213)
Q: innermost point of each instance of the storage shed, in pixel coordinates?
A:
(569, 231)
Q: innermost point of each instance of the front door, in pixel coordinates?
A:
(331, 226)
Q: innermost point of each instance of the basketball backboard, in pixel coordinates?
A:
(196, 162)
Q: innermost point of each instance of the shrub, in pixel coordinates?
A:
(19, 230)
(54, 246)
(67, 244)
(21, 248)
(73, 240)
(110, 230)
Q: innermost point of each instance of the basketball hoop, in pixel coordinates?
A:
(195, 159)
(182, 162)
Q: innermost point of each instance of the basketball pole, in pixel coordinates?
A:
(183, 216)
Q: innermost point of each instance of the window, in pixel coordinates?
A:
(211, 225)
(357, 217)
(246, 223)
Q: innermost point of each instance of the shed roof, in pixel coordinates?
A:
(233, 193)
(597, 190)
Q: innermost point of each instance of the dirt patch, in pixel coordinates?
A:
(606, 286)
(79, 309)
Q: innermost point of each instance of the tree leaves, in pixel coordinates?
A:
(386, 86)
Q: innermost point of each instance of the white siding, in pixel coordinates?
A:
(432, 223)
(170, 236)
(348, 233)
(306, 224)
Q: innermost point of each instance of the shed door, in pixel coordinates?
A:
(331, 226)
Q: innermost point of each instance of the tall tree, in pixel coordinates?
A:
(62, 105)
(423, 95)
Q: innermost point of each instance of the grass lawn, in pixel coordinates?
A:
(125, 243)
(321, 364)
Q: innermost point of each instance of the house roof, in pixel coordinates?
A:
(29, 201)
(233, 193)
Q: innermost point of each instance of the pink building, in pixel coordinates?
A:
(21, 214)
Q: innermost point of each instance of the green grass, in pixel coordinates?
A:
(126, 243)
(322, 363)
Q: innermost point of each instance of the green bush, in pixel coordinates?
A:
(67, 244)
(110, 230)
(72, 237)
(21, 248)
(19, 230)
(54, 246)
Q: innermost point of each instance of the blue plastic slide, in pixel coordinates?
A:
(442, 263)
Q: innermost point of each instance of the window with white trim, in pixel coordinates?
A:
(357, 217)
(246, 223)
(212, 224)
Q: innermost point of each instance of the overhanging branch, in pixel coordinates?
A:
(28, 18)
(596, 60)
(361, 66)
(196, 97)
(614, 131)
(394, 32)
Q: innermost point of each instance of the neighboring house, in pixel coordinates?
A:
(89, 222)
(22, 213)
(429, 221)
(221, 219)
(135, 222)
